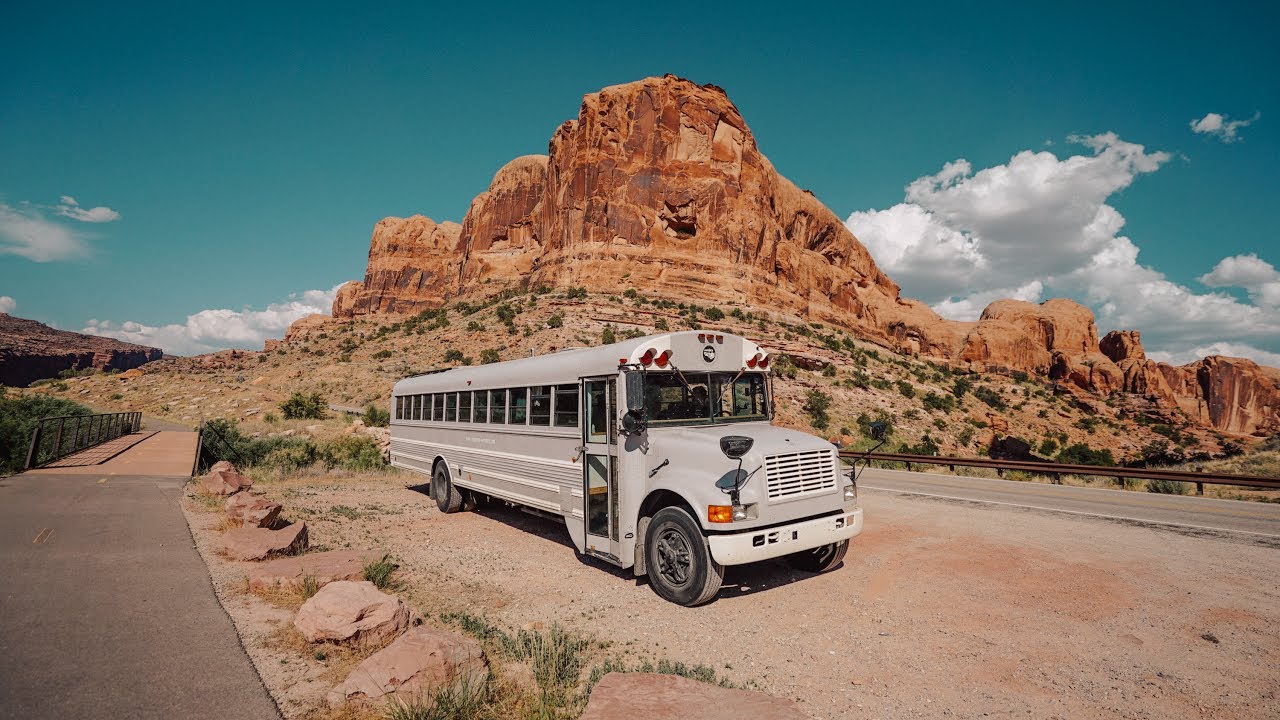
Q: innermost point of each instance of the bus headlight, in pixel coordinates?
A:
(851, 492)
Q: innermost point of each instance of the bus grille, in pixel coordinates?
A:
(796, 475)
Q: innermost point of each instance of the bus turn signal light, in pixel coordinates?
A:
(720, 513)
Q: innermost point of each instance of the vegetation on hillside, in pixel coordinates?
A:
(18, 417)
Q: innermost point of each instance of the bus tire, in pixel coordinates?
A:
(819, 559)
(448, 498)
(679, 563)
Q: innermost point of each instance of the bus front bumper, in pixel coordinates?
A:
(778, 541)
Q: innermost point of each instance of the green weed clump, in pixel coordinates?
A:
(379, 571)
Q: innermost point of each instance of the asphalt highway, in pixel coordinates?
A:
(1181, 513)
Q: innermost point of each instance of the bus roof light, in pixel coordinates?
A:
(662, 360)
(647, 358)
(764, 362)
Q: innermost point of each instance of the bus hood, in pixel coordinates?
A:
(703, 442)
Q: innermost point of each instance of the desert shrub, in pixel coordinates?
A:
(1082, 454)
(713, 313)
(452, 355)
(302, 406)
(488, 355)
(382, 354)
(906, 389)
(607, 336)
(375, 416)
(1158, 452)
(18, 416)
(990, 397)
(506, 313)
(1048, 447)
(474, 326)
(661, 324)
(829, 371)
(938, 403)
(555, 321)
(816, 404)
(965, 436)
(961, 386)
(1167, 487)
(576, 293)
(351, 452)
(784, 367)
(291, 456)
(926, 446)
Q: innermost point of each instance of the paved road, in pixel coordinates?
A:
(1185, 513)
(106, 609)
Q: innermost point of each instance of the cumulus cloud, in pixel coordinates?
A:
(1040, 226)
(68, 207)
(1221, 126)
(1262, 357)
(219, 329)
(26, 232)
(7, 304)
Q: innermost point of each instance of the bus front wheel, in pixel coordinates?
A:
(681, 569)
(447, 497)
(819, 559)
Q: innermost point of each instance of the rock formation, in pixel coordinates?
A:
(660, 182)
(31, 351)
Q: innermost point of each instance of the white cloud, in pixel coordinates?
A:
(219, 329)
(1221, 126)
(7, 304)
(1256, 276)
(24, 231)
(1040, 226)
(1262, 357)
(68, 207)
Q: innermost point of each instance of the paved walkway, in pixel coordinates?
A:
(106, 609)
(166, 453)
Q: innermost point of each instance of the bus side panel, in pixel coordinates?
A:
(526, 470)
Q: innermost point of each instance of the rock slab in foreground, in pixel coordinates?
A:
(350, 611)
(224, 481)
(623, 696)
(252, 510)
(261, 543)
(324, 567)
(417, 663)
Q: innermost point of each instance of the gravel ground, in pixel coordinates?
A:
(940, 609)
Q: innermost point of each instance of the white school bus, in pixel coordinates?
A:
(657, 452)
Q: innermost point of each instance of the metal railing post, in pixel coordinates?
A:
(35, 443)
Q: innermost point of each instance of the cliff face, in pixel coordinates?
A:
(31, 351)
(659, 185)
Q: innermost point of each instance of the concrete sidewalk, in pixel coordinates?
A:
(167, 453)
(107, 610)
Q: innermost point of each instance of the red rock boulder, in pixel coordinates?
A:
(261, 543)
(322, 567)
(225, 481)
(252, 510)
(354, 612)
(416, 664)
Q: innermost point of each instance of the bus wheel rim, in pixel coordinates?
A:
(675, 559)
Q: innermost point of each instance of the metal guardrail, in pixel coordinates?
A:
(57, 437)
(210, 445)
(1056, 469)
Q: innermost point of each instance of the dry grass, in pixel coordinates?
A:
(288, 597)
(338, 659)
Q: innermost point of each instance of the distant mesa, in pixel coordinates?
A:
(31, 351)
(660, 182)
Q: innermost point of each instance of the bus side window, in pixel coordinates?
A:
(497, 406)
(464, 407)
(540, 405)
(437, 409)
(566, 406)
(481, 412)
(451, 407)
(519, 406)
(399, 407)
(417, 407)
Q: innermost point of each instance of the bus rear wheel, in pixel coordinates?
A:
(447, 497)
(681, 569)
(819, 559)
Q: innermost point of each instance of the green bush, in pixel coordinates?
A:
(961, 386)
(607, 336)
(489, 355)
(577, 293)
(453, 355)
(555, 321)
(357, 453)
(990, 397)
(938, 403)
(817, 403)
(1082, 454)
(382, 355)
(661, 324)
(293, 456)
(18, 416)
(375, 416)
(906, 389)
(302, 406)
(713, 313)
(1167, 487)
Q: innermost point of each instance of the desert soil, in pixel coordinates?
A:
(940, 609)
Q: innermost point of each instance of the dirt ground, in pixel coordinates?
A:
(941, 609)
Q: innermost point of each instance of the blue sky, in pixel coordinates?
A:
(249, 150)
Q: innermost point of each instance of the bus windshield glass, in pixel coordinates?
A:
(675, 398)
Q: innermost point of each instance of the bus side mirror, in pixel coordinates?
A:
(635, 391)
(735, 446)
(632, 423)
(878, 430)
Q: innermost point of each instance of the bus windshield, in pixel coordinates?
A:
(676, 398)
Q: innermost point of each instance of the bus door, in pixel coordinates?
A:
(600, 465)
